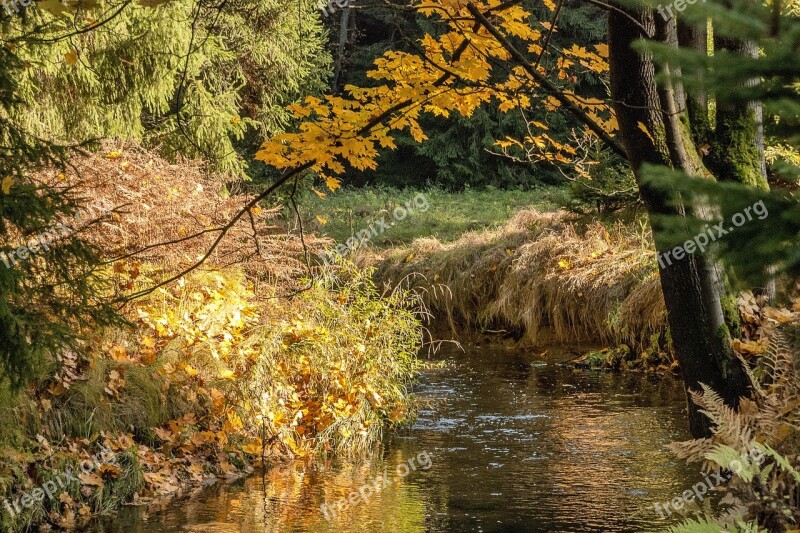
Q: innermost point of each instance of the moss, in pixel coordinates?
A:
(699, 122)
(730, 311)
(735, 156)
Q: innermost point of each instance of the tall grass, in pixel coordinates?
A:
(546, 277)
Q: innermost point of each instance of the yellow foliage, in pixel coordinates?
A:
(349, 130)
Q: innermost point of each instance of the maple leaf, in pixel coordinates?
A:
(642, 127)
(91, 480)
(8, 182)
(254, 447)
(332, 183)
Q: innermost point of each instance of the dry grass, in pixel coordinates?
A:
(184, 199)
(548, 276)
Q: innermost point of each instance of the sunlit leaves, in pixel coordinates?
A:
(6, 184)
(454, 72)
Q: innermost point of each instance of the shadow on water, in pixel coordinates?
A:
(511, 444)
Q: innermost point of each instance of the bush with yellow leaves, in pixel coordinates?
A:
(213, 381)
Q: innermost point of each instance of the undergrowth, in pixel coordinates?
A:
(755, 447)
(211, 382)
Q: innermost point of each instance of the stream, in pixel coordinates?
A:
(505, 443)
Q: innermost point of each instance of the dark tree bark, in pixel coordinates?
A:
(696, 38)
(341, 47)
(690, 285)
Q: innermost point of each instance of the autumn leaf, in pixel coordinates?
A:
(321, 219)
(71, 57)
(57, 389)
(118, 353)
(643, 128)
(254, 447)
(91, 480)
(332, 183)
(781, 316)
(8, 182)
(750, 347)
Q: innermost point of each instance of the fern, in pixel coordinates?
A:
(768, 424)
(782, 462)
(706, 525)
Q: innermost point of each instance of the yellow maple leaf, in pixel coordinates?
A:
(321, 219)
(118, 353)
(602, 49)
(642, 127)
(253, 447)
(332, 183)
(564, 264)
(8, 182)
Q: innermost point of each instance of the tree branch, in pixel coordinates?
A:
(547, 84)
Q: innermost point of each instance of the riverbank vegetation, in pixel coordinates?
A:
(240, 364)
(544, 277)
(172, 172)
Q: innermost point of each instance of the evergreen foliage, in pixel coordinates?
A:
(47, 297)
(758, 248)
(192, 79)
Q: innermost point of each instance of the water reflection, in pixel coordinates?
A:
(514, 445)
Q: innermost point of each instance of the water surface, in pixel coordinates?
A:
(510, 444)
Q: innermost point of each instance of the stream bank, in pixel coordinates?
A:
(515, 443)
(544, 278)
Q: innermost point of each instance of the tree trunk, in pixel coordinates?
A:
(691, 286)
(341, 47)
(738, 150)
(696, 38)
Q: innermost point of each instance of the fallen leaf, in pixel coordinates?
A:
(8, 182)
(71, 57)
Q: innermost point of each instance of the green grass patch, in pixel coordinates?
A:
(448, 216)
